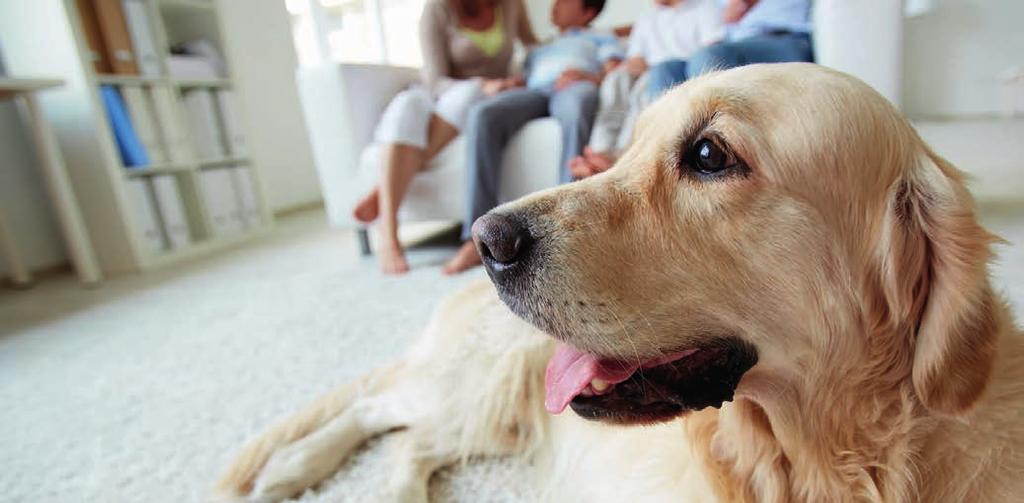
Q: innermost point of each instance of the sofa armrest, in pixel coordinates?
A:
(371, 88)
(341, 104)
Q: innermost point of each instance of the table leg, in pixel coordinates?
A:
(20, 274)
(62, 196)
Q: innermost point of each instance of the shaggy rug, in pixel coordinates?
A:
(143, 390)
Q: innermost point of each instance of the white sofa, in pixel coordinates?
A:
(343, 101)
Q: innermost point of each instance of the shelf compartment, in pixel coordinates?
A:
(157, 169)
(128, 80)
(187, 4)
(224, 161)
(194, 83)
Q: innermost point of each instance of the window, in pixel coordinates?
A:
(402, 31)
(356, 31)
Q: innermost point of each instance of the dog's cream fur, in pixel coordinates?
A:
(848, 254)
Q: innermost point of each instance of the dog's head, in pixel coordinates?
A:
(776, 217)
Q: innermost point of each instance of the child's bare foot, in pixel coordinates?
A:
(392, 259)
(368, 207)
(600, 161)
(580, 168)
(466, 258)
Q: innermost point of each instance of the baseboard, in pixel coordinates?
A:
(38, 275)
(288, 211)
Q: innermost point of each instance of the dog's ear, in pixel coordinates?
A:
(935, 276)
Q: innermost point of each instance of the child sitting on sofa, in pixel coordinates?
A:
(672, 30)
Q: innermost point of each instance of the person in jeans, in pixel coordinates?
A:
(467, 50)
(561, 81)
(672, 29)
(757, 31)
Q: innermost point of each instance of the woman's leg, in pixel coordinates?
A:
(414, 129)
(401, 162)
(402, 134)
(401, 165)
(439, 134)
(404, 122)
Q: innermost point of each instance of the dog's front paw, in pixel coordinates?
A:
(290, 471)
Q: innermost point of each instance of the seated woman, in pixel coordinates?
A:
(467, 49)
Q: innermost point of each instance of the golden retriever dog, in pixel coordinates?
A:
(779, 280)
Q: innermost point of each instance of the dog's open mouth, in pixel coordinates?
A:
(648, 391)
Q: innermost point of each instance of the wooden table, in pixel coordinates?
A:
(58, 185)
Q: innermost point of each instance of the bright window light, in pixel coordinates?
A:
(356, 31)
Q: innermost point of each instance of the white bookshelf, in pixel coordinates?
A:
(195, 83)
(45, 37)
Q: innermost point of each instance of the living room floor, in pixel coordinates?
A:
(143, 389)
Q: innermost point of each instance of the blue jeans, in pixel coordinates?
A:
(492, 123)
(779, 48)
(665, 75)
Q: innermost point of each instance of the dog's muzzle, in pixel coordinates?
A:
(505, 245)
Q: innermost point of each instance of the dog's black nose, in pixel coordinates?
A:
(501, 240)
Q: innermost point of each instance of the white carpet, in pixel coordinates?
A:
(142, 390)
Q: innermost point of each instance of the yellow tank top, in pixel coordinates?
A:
(491, 40)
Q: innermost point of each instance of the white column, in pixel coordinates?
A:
(863, 38)
(376, 16)
(320, 29)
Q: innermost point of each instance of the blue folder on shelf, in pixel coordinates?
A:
(133, 152)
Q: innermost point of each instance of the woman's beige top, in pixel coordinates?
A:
(449, 55)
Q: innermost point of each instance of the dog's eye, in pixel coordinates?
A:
(709, 158)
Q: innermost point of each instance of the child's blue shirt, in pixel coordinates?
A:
(581, 49)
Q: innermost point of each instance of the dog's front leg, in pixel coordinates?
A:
(414, 457)
(305, 448)
(312, 459)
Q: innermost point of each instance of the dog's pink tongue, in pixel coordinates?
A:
(570, 371)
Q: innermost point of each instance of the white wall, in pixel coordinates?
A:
(259, 41)
(990, 151)
(954, 54)
(23, 200)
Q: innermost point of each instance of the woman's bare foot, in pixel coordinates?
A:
(392, 259)
(368, 207)
(466, 258)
